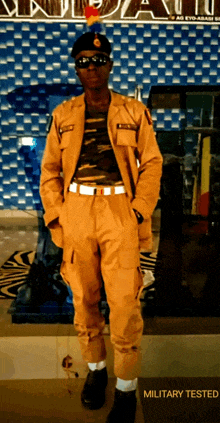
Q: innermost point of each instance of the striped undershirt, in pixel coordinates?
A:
(97, 163)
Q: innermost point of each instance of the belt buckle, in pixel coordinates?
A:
(99, 191)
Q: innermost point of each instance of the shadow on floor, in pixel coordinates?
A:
(51, 401)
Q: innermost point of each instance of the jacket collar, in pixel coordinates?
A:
(116, 100)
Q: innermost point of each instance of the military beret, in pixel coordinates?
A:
(91, 41)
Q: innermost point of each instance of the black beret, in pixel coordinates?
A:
(91, 41)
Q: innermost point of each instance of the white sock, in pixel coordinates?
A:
(126, 385)
(97, 366)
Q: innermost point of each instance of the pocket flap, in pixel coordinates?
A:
(126, 137)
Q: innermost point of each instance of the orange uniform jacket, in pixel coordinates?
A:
(132, 137)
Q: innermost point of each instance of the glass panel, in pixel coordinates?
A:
(188, 262)
(199, 110)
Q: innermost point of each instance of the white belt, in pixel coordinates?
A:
(86, 190)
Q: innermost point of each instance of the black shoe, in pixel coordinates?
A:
(124, 407)
(93, 393)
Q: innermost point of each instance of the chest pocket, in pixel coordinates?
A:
(66, 133)
(126, 137)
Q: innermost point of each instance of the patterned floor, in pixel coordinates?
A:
(17, 238)
(14, 272)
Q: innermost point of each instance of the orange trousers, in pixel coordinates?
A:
(100, 236)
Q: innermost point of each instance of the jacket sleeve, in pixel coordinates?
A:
(51, 181)
(150, 167)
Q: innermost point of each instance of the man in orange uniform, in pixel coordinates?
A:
(98, 204)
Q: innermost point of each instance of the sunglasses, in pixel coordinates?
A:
(98, 60)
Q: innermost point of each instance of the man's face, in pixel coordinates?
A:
(93, 77)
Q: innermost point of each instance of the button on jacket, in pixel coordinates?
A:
(133, 140)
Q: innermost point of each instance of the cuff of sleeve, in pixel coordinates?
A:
(50, 216)
(138, 216)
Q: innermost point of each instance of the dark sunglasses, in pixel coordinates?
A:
(98, 60)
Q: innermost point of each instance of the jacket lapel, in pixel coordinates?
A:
(116, 102)
(74, 147)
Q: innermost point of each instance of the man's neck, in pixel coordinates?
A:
(98, 100)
